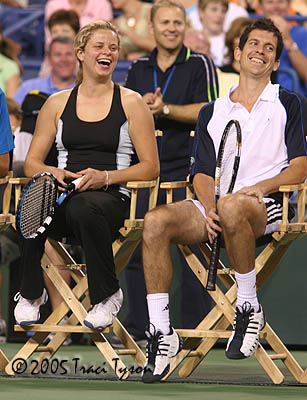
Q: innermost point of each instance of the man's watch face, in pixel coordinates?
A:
(165, 109)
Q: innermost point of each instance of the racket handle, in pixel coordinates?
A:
(212, 270)
(76, 182)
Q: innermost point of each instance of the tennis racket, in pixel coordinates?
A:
(38, 201)
(227, 165)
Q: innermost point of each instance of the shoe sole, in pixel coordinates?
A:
(155, 378)
(23, 323)
(235, 356)
(99, 328)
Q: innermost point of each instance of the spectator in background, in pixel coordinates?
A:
(87, 10)
(198, 42)
(234, 11)
(212, 15)
(10, 68)
(232, 40)
(11, 3)
(63, 23)
(62, 76)
(294, 55)
(133, 25)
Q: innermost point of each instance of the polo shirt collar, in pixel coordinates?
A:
(53, 89)
(181, 58)
(269, 93)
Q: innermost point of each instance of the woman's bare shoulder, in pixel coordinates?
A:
(129, 97)
(56, 103)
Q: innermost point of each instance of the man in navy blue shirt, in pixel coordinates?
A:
(274, 153)
(175, 83)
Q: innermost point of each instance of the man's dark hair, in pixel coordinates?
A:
(60, 39)
(263, 24)
(69, 17)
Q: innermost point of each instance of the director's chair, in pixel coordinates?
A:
(215, 325)
(76, 301)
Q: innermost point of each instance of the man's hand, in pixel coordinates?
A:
(254, 191)
(284, 27)
(211, 225)
(157, 106)
(149, 98)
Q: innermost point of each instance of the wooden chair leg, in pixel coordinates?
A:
(3, 361)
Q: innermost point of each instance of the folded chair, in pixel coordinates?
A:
(215, 325)
(76, 301)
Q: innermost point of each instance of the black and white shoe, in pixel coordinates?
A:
(160, 348)
(244, 339)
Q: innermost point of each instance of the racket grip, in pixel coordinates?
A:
(76, 182)
(212, 270)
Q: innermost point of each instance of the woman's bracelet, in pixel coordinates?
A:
(105, 188)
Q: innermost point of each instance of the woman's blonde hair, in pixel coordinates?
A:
(84, 35)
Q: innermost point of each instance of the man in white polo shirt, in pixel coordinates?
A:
(274, 125)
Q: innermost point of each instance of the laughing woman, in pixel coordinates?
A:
(97, 127)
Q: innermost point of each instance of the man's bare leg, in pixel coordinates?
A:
(180, 222)
(183, 223)
(243, 219)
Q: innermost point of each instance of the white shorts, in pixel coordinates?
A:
(274, 213)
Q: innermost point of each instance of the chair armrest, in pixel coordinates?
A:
(4, 180)
(300, 225)
(19, 181)
(153, 187)
(174, 185)
(171, 186)
(141, 184)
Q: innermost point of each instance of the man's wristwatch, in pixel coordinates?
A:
(293, 47)
(166, 109)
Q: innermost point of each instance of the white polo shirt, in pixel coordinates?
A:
(273, 133)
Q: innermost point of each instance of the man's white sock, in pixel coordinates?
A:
(247, 289)
(158, 309)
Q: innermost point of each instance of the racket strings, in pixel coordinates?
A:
(227, 166)
(37, 205)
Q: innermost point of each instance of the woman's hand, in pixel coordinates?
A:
(62, 174)
(93, 179)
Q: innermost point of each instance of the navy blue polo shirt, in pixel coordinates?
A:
(192, 80)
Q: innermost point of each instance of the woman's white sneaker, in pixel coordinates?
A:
(27, 311)
(102, 314)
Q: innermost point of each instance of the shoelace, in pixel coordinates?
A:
(17, 296)
(155, 345)
(242, 319)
